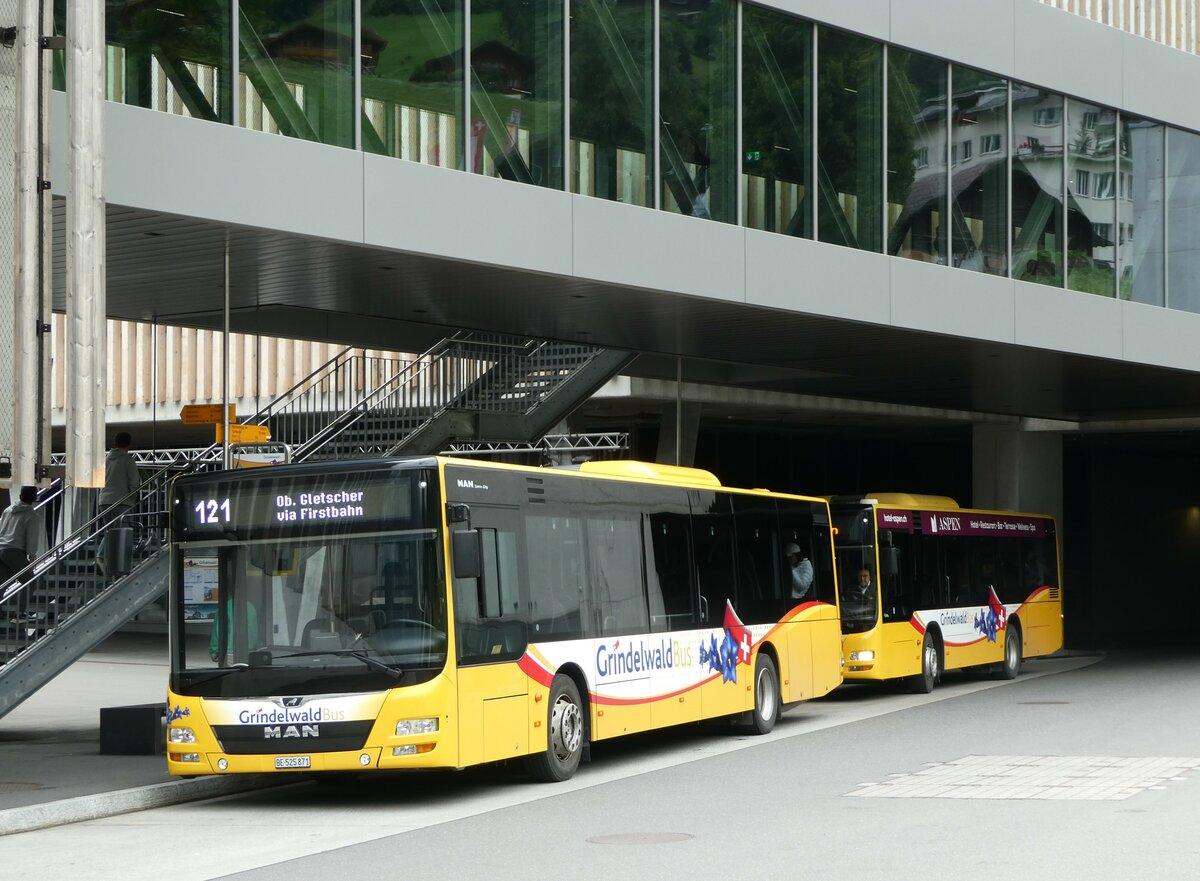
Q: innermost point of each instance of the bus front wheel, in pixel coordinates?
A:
(924, 681)
(766, 695)
(564, 737)
(1012, 651)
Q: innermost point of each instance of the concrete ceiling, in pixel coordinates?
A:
(171, 269)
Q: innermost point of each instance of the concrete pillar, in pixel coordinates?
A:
(14, 90)
(86, 354)
(689, 420)
(1018, 470)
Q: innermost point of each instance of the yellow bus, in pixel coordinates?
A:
(928, 586)
(434, 612)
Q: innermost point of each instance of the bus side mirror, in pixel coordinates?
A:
(889, 562)
(465, 553)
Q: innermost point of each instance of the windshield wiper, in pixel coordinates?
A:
(239, 667)
(374, 663)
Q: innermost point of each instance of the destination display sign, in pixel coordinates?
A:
(337, 502)
(966, 523)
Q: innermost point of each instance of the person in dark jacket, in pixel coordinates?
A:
(20, 541)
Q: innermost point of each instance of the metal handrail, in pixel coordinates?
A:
(153, 487)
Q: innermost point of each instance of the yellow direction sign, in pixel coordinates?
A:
(245, 434)
(205, 414)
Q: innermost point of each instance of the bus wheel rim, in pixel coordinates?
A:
(566, 728)
(766, 695)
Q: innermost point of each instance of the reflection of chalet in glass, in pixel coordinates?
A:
(500, 69)
(309, 43)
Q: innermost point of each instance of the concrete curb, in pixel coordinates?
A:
(124, 801)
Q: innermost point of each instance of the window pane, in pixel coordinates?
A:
(554, 546)
(1037, 185)
(776, 122)
(1140, 211)
(612, 99)
(849, 140)
(175, 60)
(615, 570)
(517, 91)
(697, 79)
(916, 169)
(412, 80)
(1091, 173)
(712, 541)
(981, 174)
(1183, 220)
(297, 64)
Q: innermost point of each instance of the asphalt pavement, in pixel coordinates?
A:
(51, 768)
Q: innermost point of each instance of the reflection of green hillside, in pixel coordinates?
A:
(411, 41)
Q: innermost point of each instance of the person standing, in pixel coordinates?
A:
(120, 477)
(20, 540)
(801, 569)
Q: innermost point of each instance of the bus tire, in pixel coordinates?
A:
(924, 681)
(564, 734)
(766, 695)
(1010, 667)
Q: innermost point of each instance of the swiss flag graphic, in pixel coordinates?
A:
(998, 609)
(736, 629)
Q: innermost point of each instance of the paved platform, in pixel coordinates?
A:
(51, 767)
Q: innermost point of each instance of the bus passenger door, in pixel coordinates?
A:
(490, 636)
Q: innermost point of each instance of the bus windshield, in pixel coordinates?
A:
(308, 607)
(855, 545)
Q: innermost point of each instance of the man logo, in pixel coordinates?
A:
(272, 732)
(291, 701)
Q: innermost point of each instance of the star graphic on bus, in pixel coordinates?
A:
(994, 618)
(734, 648)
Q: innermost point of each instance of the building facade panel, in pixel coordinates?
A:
(1158, 336)
(938, 299)
(951, 29)
(803, 276)
(1066, 321)
(420, 208)
(621, 244)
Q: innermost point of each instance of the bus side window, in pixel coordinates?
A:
(487, 609)
(712, 539)
(669, 571)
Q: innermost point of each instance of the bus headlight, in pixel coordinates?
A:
(862, 656)
(181, 735)
(406, 727)
(184, 757)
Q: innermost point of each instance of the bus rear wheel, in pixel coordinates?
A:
(564, 735)
(1011, 666)
(924, 681)
(766, 695)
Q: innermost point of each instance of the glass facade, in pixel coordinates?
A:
(1183, 220)
(776, 122)
(517, 91)
(1140, 217)
(698, 109)
(916, 161)
(1091, 204)
(612, 100)
(849, 140)
(1037, 185)
(297, 69)
(412, 80)
(172, 57)
(979, 177)
(714, 109)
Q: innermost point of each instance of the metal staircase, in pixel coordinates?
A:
(469, 388)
